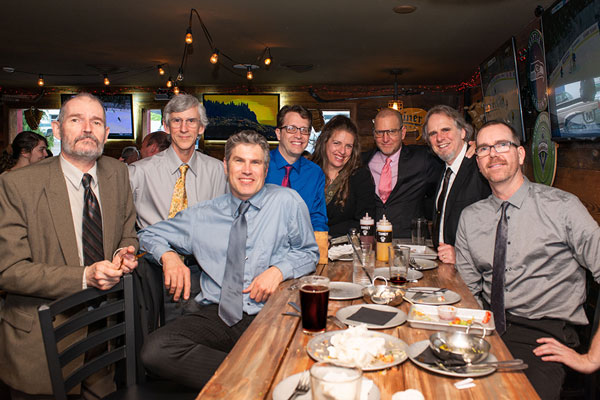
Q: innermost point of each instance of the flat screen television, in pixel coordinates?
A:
(572, 51)
(231, 113)
(500, 86)
(119, 113)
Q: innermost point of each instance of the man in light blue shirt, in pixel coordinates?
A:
(280, 245)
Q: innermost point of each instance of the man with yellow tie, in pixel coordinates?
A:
(174, 179)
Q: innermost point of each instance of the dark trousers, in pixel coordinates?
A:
(520, 338)
(190, 348)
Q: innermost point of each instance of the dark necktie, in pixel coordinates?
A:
(497, 296)
(286, 179)
(91, 232)
(440, 206)
(231, 301)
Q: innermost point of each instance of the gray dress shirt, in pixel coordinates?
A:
(153, 179)
(551, 236)
(279, 233)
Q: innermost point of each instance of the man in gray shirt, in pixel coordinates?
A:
(526, 244)
(154, 181)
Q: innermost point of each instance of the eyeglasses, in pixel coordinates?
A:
(390, 132)
(499, 147)
(291, 129)
(190, 122)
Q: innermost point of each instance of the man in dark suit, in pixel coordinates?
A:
(405, 176)
(42, 234)
(461, 184)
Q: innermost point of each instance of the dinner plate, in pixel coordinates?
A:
(317, 349)
(344, 291)
(417, 251)
(426, 264)
(398, 319)
(385, 272)
(433, 299)
(417, 348)
(285, 388)
(340, 253)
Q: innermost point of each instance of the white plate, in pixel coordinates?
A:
(344, 313)
(426, 264)
(436, 299)
(422, 252)
(417, 348)
(285, 388)
(385, 272)
(427, 318)
(317, 349)
(344, 291)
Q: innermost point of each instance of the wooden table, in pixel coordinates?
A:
(274, 347)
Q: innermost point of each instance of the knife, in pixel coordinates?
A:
(426, 290)
(295, 306)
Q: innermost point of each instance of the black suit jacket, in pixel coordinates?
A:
(469, 186)
(418, 173)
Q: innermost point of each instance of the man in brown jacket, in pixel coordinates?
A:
(42, 236)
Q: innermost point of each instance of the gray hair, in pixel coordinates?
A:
(61, 113)
(128, 151)
(247, 137)
(459, 120)
(182, 102)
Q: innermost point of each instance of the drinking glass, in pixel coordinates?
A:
(418, 229)
(399, 261)
(330, 381)
(314, 299)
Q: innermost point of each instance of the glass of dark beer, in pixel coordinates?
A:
(314, 299)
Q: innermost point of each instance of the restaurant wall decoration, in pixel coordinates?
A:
(543, 151)
(536, 71)
(231, 113)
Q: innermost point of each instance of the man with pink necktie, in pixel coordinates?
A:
(405, 176)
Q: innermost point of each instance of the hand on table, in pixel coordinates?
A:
(177, 276)
(552, 350)
(446, 253)
(103, 275)
(264, 284)
(126, 259)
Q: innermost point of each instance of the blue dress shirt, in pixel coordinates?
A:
(308, 180)
(279, 234)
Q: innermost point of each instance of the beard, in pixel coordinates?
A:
(86, 154)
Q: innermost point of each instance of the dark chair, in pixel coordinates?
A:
(118, 306)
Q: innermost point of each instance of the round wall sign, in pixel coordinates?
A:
(543, 151)
(536, 70)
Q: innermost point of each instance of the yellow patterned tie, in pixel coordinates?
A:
(179, 200)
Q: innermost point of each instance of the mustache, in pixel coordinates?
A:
(90, 136)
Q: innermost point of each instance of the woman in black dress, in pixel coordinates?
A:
(349, 187)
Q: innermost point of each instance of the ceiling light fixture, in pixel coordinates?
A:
(214, 58)
(161, 70)
(249, 74)
(106, 81)
(170, 82)
(267, 57)
(176, 90)
(404, 9)
(41, 80)
(395, 104)
(188, 35)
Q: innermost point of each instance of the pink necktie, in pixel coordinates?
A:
(385, 182)
(286, 179)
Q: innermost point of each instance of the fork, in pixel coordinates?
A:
(413, 264)
(302, 387)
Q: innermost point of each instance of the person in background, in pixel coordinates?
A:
(522, 253)
(129, 155)
(349, 187)
(405, 176)
(154, 143)
(172, 180)
(27, 148)
(461, 184)
(247, 241)
(66, 223)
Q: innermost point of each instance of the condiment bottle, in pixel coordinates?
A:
(367, 230)
(384, 238)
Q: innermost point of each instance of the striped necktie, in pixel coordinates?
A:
(91, 229)
(179, 200)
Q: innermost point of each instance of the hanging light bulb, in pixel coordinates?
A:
(395, 106)
(106, 81)
(161, 70)
(180, 75)
(176, 90)
(214, 58)
(249, 74)
(41, 80)
(268, 59)
(170, 82)
(188, 36)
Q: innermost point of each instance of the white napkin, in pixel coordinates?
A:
(409, 394)
(354, 346)
(342, 392)
(336, 252)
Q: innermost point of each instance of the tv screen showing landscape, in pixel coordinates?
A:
(500, 86)
(572, 50)
(119, 114)
(231, 113)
